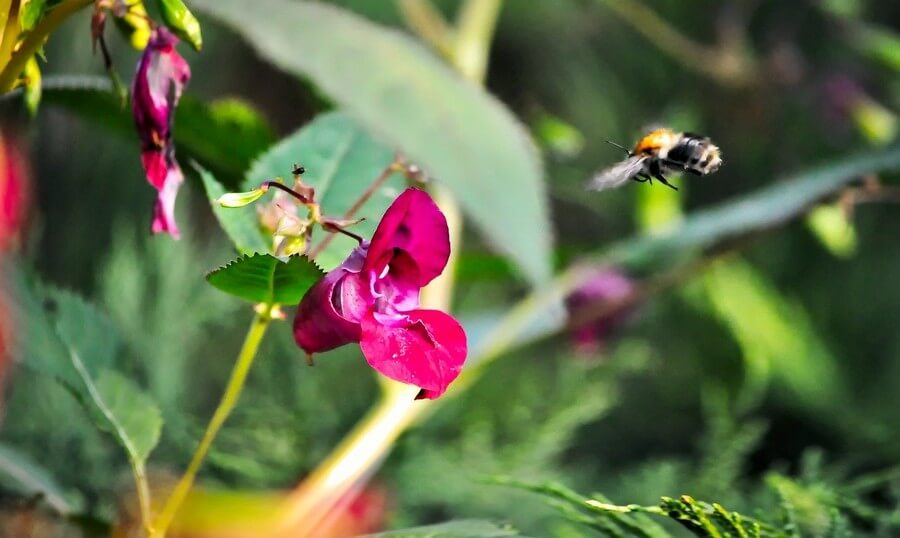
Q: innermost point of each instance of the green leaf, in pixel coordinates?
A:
(224, 136)
(395, 87)
(240, 223)
(767, 208)
(30, 13)
(131, 415)
(70, 340)
(32, 479)
(341, 160)
(464, 528)
(263, 278)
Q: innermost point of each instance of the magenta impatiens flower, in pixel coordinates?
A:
(604, 291)
(160, 78)
(373, 298)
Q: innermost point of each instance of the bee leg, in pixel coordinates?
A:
(656, 171)
(641, 178)
(664, 182)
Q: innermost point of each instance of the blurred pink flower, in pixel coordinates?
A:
(373, 298)
(14, 191)
(604, 289)
(160, 78)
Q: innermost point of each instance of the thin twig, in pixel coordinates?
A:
(357, 205)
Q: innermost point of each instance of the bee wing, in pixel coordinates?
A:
(617, 174)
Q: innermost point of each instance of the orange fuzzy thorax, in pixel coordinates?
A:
(655, 140)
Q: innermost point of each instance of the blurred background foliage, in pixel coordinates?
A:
(763, 381)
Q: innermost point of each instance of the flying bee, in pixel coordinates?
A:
(658, 152)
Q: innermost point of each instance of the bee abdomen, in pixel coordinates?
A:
(695, 153)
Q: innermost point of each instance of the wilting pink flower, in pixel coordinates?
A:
(597, 308)
(161, 76)
(373, 298)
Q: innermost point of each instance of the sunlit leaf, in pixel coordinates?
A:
(30, 13)
(342, 160)
(263, 278)
(458, 133)
(776, 336)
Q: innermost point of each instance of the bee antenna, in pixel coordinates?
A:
(621, 147)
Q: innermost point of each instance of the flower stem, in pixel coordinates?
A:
(357, 457)
(226, 405)
(351, 463)
(53, 18)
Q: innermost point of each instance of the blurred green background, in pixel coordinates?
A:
(785, 359)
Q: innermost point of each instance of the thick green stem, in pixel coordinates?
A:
(226, 406)
(53, 18)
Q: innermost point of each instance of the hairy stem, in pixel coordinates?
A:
(226, 406)
(52, 19)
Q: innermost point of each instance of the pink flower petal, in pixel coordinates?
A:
(415, 225)
(425, 348)
(158, 83)
(164, 208)
(328, 315)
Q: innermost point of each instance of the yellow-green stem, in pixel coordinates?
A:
(372, 439)
(10, 31)
(53, 18)
(429, 24)
(226, 406)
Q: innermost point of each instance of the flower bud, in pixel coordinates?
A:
(180, 19)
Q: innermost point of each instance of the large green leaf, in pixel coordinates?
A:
(73, 342)
(341, 160)
(241, 224)
(263, 278)
(396, 88)
(224, 136)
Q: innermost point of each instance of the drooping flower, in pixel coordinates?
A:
(597, 308)
(373, 298)
(160, 78)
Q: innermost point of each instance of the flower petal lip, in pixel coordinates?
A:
(415, 225)
(427, 348)
(328, 315)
